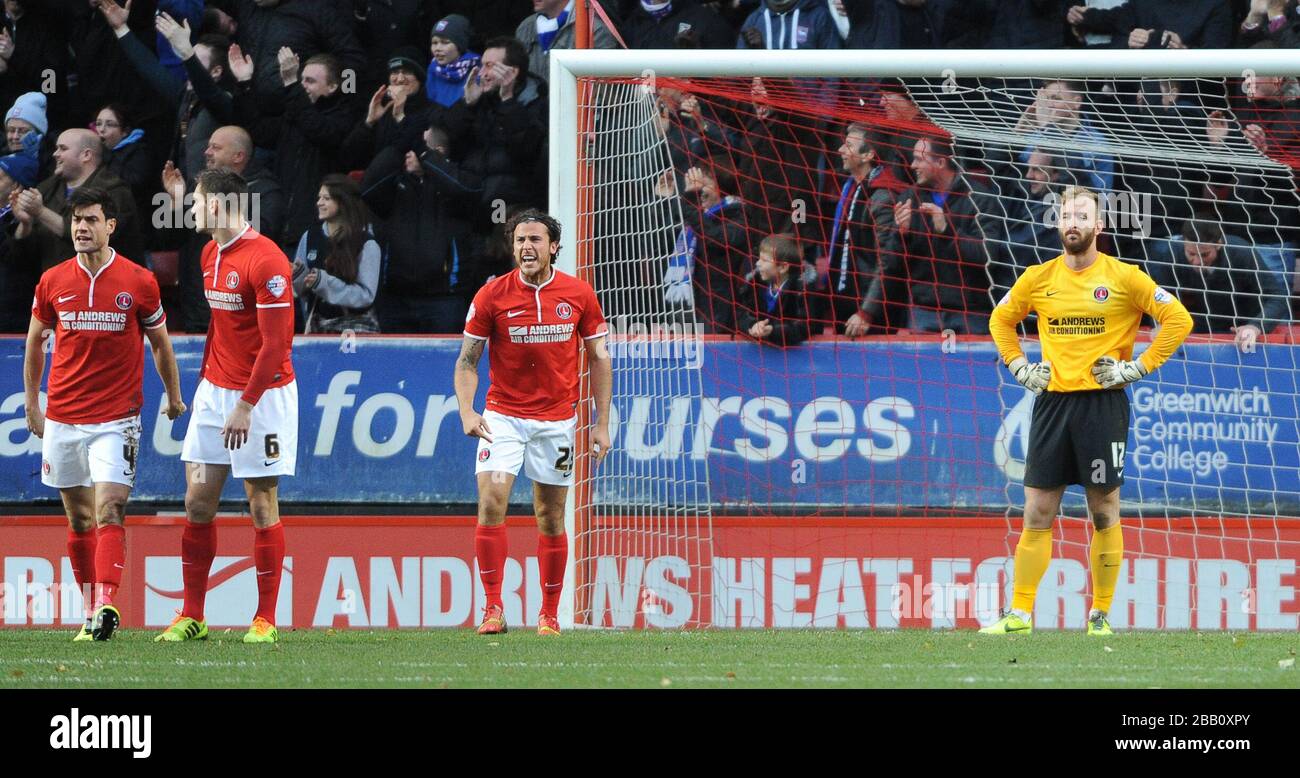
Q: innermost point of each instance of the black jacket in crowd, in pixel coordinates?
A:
(19, 273)
(425, 223)
(134, 164)
(778, 162)
(723, 240)
(309, 27)
(308, 141)
(363, 142)
(507, 140)
(1236, 290)
(40, 44)
(789, 319)
(687, 19)
(196, 112)
(876, 281)
(886, 24)
(1201, 24)
(383, 26)
(1006, 24)
(949, 270)
(104, 75)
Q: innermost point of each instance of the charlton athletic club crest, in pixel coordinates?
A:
(232, 280)
(564, 310)
(484, 454)
(1101, 294)
(124, 300)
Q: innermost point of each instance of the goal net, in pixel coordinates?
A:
(798, 258)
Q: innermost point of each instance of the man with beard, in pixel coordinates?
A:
(532, 322)
(1089, 306)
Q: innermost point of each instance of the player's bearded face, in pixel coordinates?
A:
(533, 248)
(1079, 224)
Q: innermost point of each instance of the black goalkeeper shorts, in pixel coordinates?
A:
(1078, 438)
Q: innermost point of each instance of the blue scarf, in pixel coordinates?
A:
(128, 140)
(454, 72)
(840, 216)
(684, 246)
(657, 14)
(445, 84)
(545, 38)
(773, 295)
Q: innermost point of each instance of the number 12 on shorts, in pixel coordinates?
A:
(1117, 456)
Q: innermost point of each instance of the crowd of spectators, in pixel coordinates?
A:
(904, 233)
(385, 140)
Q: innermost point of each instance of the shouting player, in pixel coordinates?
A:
(100, 308)
(532, 321)
(1089, 306)
(245, 418)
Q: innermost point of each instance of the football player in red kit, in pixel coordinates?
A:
(99, 307)
(532, 321)
(245, 420)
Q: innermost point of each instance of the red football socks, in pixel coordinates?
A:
(81, 553)
(198, 547)
(490, 548)
(110, 561)
(268, 555)
(552, 557)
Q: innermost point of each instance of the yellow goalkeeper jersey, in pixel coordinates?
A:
(1086, 314)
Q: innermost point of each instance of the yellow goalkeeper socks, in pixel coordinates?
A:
(1106, 552)
(1033, 555)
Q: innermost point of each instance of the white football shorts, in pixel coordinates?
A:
(545, 448)
(87, 454)
(272, 446)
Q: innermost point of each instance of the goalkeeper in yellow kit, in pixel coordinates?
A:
(1089, 305)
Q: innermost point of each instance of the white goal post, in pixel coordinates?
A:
(567, 135)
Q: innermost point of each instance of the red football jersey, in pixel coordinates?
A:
(97, 372)
(248, 273)
(532, 351)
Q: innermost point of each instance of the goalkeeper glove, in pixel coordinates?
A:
(677, 281)
(1034, 376)
(1110, 371)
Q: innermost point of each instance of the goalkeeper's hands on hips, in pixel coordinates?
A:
(1111, 372)
(1034, 376)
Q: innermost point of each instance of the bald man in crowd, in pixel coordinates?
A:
(229, 147)
(42, 223)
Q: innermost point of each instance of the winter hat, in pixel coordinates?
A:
(406, 58)
(30, 107)
(22, 165)
(454, 28)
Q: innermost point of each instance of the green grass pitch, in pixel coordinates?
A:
(712, 659)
